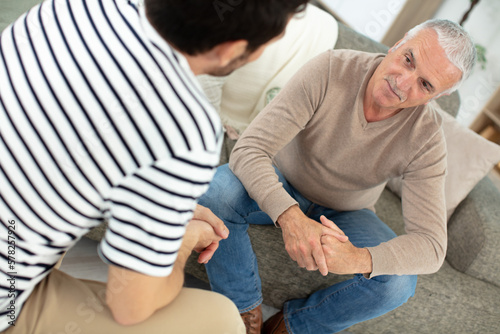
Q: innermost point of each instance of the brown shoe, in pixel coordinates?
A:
(275, 325)
(253, 320)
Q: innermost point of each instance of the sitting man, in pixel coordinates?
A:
(322, 151)
(102, 120)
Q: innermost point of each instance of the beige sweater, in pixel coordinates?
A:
(315, 132)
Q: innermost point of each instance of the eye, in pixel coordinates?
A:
(426, 86)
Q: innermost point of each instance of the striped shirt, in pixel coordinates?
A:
(101, 120)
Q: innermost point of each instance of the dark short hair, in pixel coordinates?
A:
(196, 26)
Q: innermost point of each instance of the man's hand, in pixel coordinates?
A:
(206, 241)
(206, 215)
(342, 257)
(133, 297)
(302, 237)
(205, 230)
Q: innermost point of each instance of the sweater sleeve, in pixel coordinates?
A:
(423, 248)
(277, 124)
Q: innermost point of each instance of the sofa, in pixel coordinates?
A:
(462, 297)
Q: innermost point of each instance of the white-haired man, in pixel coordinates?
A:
(323, 150)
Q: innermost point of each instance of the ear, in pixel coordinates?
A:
(392, 48)
(227, 51)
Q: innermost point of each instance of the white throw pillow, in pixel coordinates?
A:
(470, 158)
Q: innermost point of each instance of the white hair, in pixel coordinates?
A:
(456, 43)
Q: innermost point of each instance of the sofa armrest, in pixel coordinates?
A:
(474, 234)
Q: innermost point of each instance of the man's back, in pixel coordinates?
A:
(97, 113)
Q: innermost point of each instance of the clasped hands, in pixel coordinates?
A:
(206, 230)
(321, 246)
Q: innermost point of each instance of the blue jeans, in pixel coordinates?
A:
(233, 270)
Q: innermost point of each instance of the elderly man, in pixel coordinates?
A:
(315, 161)
(102, 120)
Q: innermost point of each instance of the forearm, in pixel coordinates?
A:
(133, 297)
(409, 254)
(273, 129)
(344, 258)
(362, 262)
(175, 281)
(291, 214)
(253, 166)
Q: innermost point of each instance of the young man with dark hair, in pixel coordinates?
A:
(102, 120)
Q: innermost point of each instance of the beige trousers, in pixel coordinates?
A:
(62, 304)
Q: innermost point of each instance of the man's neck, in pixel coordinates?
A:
(195, 63)
(374, 113)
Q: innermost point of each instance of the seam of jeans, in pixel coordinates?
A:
(256, 287)
(308, 308)
(285, 317)
(254, 305)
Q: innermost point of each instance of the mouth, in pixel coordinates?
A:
(394, 90)
(389, 85)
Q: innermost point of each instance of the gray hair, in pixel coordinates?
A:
(456, 43)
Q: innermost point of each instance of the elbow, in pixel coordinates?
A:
(439, 259)
(128, 315)
(127, 318)
(435, 268)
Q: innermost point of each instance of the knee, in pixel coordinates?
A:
(224, 190)
(226, 317)
(214, 313)
(395, 290)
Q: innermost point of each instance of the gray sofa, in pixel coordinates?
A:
(462, 297)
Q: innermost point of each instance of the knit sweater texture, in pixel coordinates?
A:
(316, 133)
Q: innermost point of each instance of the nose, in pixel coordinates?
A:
(406, 80)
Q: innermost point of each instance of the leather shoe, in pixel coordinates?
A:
(275, 324)
(253, 320)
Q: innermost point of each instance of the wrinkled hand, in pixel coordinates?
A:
(302, 237)
(342, 257)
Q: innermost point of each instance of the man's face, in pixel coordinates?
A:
(413, 74)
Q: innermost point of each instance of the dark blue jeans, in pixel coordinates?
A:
(233, 270)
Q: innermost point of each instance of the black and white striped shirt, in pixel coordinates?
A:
(100, 120)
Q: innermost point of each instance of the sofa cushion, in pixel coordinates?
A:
(470, 158)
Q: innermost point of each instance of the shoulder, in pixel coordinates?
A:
(354, 58)
(429, 119)
(346, 64)
(427, 130)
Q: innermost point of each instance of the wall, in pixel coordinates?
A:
(370, 17)
(484, 26)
